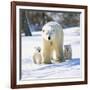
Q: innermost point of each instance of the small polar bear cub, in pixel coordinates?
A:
(67, 52)
(37, 55)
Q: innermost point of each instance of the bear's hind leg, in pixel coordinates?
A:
(59, 55)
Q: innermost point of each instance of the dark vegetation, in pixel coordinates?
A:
(34, 20)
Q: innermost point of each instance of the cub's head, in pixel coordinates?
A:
(67, 47)
(37, 50)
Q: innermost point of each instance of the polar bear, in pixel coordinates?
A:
(37, 55)
(67, 52)
(52, 42)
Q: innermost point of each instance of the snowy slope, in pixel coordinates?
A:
(67, 69)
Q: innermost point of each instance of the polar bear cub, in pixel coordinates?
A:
(67, 52)
(37, 55)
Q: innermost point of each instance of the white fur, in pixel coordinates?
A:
(67, 52)
(37, 55)
(54, 44)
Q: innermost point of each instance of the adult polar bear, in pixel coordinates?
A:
(52, 43)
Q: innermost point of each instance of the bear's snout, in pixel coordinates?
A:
(49, 37)
(39, 50)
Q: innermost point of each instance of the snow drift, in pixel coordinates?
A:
(67, 69)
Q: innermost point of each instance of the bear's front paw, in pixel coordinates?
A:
(46, 62)
(59, 60)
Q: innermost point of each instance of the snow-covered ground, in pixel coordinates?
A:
(67, 69)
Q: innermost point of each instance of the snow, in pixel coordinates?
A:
(67, 69)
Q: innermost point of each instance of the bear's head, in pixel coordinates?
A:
(49, 30)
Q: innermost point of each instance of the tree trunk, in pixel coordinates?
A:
(27, 29)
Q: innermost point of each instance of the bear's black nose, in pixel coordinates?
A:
(38, 50)
(49, 38)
